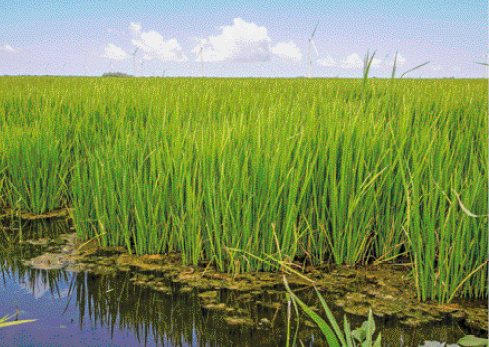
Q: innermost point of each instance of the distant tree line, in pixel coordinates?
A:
(116, 74)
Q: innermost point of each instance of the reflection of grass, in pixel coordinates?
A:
(4, 323)
(335, 336)
(364, 334)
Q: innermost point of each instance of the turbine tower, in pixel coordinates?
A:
(487, 65)
(85, 64)
(260, 64)
(134, 61)
(201, 60)
(311, 42)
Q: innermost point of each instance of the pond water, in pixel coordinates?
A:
(85, 309)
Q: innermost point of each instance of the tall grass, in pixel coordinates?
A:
(342, 171)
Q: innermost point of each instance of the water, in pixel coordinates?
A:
(83, 309)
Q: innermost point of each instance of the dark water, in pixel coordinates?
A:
(82, 309)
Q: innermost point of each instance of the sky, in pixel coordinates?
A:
(244, 38)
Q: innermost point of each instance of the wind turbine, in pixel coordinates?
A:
(142, 67)
(311, 42)
(487, 66)
(260, 67)
(134, 61)
(86, 54)
(201, 60)
(260, 64)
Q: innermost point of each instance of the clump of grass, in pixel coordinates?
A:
(35, 172)
(335, 337)
(288, 168)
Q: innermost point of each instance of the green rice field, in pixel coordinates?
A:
(326, 170)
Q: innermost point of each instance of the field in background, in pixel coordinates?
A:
(327, 169)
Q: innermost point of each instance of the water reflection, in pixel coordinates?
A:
(83, 309)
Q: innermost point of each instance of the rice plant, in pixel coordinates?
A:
(341, 171)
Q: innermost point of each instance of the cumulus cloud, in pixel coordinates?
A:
(287, 50)
(328, 61)
(153, 45)
(9, 49)
(135, 28)
(241, 42)
(399, 62)
(375, 63)
(353, 61)
(115, 53)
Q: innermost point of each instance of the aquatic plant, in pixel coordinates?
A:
(364, 334)
(342, 171)
(472, 341)
(335, 337)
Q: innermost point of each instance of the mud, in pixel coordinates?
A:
(388, 289)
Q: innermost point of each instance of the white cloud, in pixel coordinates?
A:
(135, 28)
(241, 42)
(353, 61)
(328, 61)
(154, 46)
(399, 62)
(437, 68)
(115, 53)
(287, 50)
(376, 63)
(9, 49)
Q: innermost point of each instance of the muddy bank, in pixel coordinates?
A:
(388, 289)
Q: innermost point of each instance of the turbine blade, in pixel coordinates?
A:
(314, 45)
(135, 51)
(314, 32)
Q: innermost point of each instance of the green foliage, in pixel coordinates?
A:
(472, 341)
(343, 171)
(335, 337)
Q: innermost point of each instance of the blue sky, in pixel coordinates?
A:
(243, 38)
